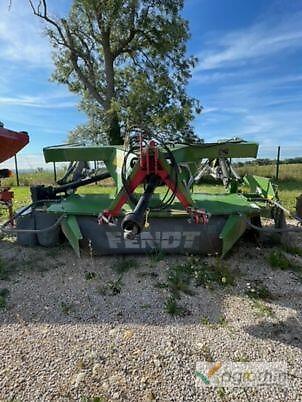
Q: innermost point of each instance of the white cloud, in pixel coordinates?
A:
(259, 41)
(43, 102)
(21, 38)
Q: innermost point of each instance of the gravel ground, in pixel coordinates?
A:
(66, 336)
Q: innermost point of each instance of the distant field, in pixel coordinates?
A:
(290, 183)
(286, 172)
(38, 177)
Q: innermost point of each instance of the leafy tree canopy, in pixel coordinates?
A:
(127, 61)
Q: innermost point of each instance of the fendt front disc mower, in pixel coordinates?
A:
(154, 205)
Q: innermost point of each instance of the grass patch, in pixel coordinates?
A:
(172, 308)
(194, 271)
(262, 310)
(221, 322)
(259, 293)
(145, 306)
(179, 279)
(242, 359)
(208, 275)
(221, 392)
(4, 271)
(149, 274)
(3, 296)
(278, 260)
(257, 290)
(123, 265)
(112, 288)
(67, 308)
(89, 276)
(198, 272)
(120, 266)
(161, 285)
(115, 287)
(156, 255)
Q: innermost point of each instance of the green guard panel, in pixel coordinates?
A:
(260, 185)
(215, 204)
(225, 204)
(215, 150)
(182, 153)
(72, 232)
(232, 231)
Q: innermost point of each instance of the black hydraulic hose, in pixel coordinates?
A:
(274, 230)
(20, 213)
(82, 182)
(34, 231)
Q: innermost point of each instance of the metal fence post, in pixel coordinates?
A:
(17, 171)
(278, 163)
(55, 172)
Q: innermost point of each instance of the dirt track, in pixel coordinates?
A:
(71, 331)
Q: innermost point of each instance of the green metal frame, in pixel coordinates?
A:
(113, 156)
(238, 206)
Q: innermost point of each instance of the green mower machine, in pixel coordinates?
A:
(157, 202)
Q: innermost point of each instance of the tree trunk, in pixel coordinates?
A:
(114, 132)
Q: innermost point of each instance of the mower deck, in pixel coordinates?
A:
(154, 206)
(168, 230)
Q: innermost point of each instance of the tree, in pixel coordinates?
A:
(127, 60)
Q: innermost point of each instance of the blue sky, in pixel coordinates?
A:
(248, 79)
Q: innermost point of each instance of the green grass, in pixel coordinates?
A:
(89, 276)
(3, 295)
(262, 310)
(115, 286)
(123, 265)
(93, 399)
(258, 290)
(4, 271)
(221, 322)
(278, 260)
(67, 308)
(287, 172)
(172, 308)
(39, 176)
(209, 275)
(193, 271)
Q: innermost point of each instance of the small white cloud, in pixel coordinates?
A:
(259, 41)
(21, 38)
(42, 102)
